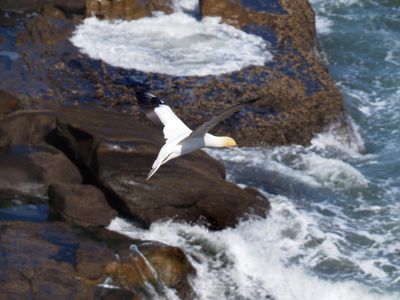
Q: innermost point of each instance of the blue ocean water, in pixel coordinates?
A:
(360, 40)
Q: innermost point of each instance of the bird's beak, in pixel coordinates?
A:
(237, 150)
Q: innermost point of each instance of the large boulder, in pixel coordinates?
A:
(188, 189)
(54, 261)
(118, 152)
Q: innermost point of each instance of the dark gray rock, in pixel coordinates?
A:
(27, 127)
(8, 103)
(85, 205)
(29, 170)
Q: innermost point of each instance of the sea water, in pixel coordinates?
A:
(333, 231)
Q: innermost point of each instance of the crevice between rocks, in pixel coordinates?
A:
(62, 138)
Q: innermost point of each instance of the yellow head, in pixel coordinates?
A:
(229, 142)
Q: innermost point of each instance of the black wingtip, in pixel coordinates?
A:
(145, 98)
(251, 100)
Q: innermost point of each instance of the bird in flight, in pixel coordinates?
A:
(179, 138)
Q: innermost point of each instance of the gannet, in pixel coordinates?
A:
(179, 138)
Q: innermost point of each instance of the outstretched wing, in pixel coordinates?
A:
(160, 113)
(207, 126)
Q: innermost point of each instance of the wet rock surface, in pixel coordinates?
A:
(8, 104)
(70, 6)
(156, 263)
(55, 261)
(231, 12)
(26, 127)
(29, 170)
(126, 9)
(298, 97)
(85, 205)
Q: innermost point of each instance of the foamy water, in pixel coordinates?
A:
(175, 44)
(190, 6)
(253, 260)
(309, 247)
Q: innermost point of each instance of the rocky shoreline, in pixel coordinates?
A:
(88, 165)
(72, 139)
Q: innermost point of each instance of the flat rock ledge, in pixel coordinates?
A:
(94, 160)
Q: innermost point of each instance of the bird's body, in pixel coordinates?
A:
(180, 139)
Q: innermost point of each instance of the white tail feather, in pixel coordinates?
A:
(153, 170)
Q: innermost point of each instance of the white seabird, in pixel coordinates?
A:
(179, 138)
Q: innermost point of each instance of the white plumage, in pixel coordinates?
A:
(179, 138)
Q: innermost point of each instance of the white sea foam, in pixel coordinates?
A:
(315, 165)
(175, 44)
(332, 173)
(323, 25)
(253, 261)
(191, 6)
